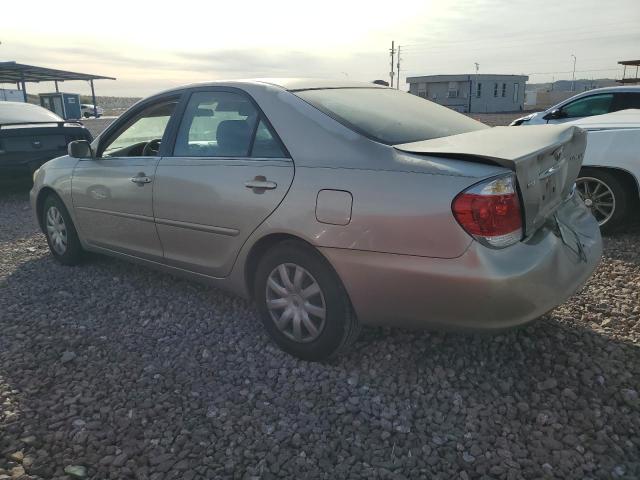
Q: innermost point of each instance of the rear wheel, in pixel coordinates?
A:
(60, 232)
(302, 303)
(604, 194)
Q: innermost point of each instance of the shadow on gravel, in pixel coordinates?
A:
(15, 186)
(137, 374)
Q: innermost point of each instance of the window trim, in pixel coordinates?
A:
(124, 122)
(182, 107)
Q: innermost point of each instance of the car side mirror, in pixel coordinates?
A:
(80, 149)
(555, 114)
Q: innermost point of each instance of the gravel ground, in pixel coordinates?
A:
(113, 371)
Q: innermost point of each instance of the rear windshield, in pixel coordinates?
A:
(389, 116)
(15, 112)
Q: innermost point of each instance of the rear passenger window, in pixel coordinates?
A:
(265, 145)
(627, 100)
(216, 124)
(224, 124)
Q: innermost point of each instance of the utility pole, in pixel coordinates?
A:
(393, 52)
(573, 77)
(398, 65)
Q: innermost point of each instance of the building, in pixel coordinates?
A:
(481, 93)
(11, 95)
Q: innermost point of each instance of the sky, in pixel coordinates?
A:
(150, 46)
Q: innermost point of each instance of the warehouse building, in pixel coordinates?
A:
(472, 93)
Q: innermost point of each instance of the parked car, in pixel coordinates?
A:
(31, 135)
(331, 205)
(87, 110)
(610, 174)
(593, 102)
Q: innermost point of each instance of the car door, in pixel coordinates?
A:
(113, 192)
(228, 171)
(597, 104)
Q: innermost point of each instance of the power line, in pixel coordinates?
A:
(393, 51)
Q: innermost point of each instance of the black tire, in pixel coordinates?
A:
(73, 252)
(341, 328)
(86, 114)
(620, 194)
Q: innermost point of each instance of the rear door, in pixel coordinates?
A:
(626, 100)
(228, 171)
(113, 193)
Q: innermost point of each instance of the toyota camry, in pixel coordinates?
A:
(331, 205)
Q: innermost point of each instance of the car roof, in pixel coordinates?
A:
(290, 84)
(622, 88)
(316, 83)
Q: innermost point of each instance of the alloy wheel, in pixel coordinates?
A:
(56, 230)
(296, 303)
(598, 197)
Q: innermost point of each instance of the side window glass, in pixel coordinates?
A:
(265, 145)
(627, 100)
(143, 135)
(586, 107)
(216, 124)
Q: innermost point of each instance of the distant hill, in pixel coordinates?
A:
(581, 85)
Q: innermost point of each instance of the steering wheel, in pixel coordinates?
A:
(151, 148)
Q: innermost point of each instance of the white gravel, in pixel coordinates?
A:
(113, 371)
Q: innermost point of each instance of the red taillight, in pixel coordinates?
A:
(490, 211)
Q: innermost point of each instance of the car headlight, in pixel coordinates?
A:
(521, 120)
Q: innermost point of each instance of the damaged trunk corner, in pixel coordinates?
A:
(546, 160)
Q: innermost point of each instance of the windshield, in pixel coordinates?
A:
(389, 116)
(15, 112)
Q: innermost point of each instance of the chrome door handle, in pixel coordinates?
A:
(260, 183)
(141, 179)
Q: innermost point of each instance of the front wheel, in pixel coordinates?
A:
(60, 232)
(302, 303)
(605, 196)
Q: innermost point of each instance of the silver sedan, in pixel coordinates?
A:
(331, 205)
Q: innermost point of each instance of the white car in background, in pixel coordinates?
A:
(88, 110)
(610, 176)
(599, 101)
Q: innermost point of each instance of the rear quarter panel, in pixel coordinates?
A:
(615, 148)
(393, 212)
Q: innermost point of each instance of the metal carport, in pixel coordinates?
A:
(21, 74)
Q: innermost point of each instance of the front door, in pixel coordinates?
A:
(228, 171)
(113, 193)
(585, 107)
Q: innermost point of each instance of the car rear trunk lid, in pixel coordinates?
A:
(546, 160)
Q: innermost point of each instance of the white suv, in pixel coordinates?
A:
(586, 104)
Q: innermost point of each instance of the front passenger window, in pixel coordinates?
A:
(586, 107)
(142, 136)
